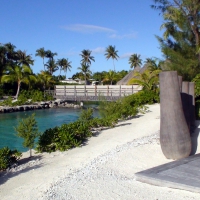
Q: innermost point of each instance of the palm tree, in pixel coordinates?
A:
(148, 79)
(85, 69)
(11, 54)
(3, 60)
(135, 60)
(51, 66)
(153, 65)
(64, 65)
(110, 76)
(86, 57)
(45, 78)
(50, 54)
(19, 74)
(111, 53)
(41, 53)
(78, 75)
(23, 59)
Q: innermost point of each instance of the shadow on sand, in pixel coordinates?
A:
(21, 168)
(194, 137)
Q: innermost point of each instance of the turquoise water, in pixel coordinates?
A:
(46, 118)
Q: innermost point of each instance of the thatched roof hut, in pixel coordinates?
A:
(129, 76)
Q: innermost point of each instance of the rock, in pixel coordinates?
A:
(76, 106)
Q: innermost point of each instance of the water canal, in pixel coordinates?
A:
(46, 118)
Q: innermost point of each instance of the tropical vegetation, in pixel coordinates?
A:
(180, 43)
(28, 130)
(135, 61)
(111, 52)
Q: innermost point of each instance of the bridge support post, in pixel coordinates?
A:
(65, 91)
(75, 95)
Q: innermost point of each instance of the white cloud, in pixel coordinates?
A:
(124, 36)
(126, 55)
(86, 28)
(98, 50)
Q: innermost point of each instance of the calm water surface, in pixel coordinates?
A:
(46, 118)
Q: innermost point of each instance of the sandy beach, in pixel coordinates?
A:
(103, 168)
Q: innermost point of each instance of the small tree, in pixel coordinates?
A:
(28, 130)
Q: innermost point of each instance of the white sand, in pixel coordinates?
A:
(102, 169)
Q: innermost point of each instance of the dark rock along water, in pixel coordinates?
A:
(46, 118)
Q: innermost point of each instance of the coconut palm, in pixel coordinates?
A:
(11, 53)
(148, 79)
(86, 57)
(153, 64)
(19, 74)
(110, 76)
(45, 78)
(23, 59)
(64, 65)
(78, 75)
(85, 70)
(41, 53)
(3, 59)
(51, 66)
(111, 53)
(50, 54)
(135, 60)
(3, 52)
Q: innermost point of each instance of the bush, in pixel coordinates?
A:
(86, 115)
(8, 157)
(127, 106)
(63, 138)
(25, 95)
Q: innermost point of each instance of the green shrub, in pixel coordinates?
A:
(7, 102)
(86, 115)
(63, 138)
(46, 141)
(25, 95)
(8, 157)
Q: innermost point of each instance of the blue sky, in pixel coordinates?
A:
(69, 26)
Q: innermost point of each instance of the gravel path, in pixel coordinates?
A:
(111, 176)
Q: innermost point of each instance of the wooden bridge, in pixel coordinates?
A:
(94, 92)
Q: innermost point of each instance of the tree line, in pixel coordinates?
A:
(15, 68)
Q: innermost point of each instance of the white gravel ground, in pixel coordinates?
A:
(102, 169)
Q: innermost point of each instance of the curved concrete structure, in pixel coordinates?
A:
(174, 132)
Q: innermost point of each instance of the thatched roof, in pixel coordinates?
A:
(129, 76)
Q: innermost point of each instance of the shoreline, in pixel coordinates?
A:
(103, 168)
(38, 106)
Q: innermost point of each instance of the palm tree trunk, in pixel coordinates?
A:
(18, 88)
(114, 65)
(44, 65)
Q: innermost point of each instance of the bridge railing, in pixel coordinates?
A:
(90, 92)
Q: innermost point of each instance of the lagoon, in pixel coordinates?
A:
(46, 118)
